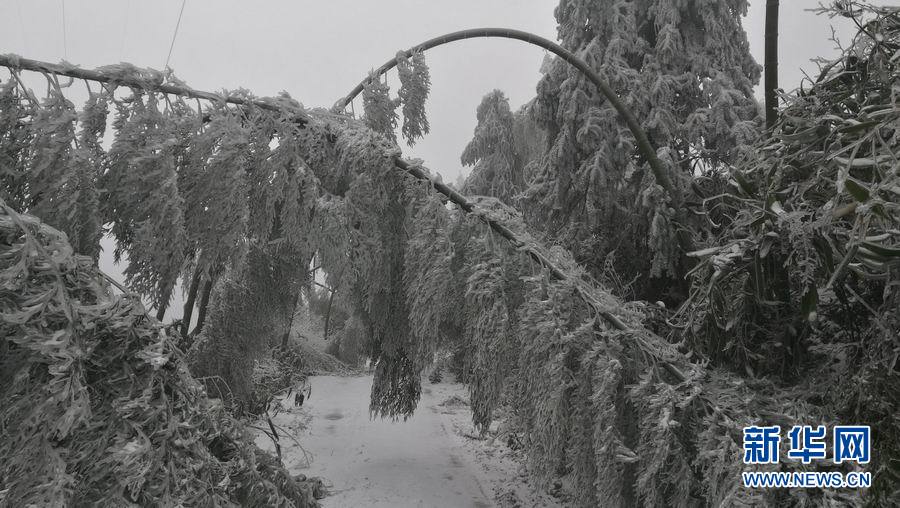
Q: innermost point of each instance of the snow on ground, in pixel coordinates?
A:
(433, 459)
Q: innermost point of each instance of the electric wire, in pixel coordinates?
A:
(174, 35)
(62, 4)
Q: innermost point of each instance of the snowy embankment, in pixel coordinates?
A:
(431, 459)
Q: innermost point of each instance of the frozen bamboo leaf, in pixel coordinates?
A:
(415, 83)
(858, 191)
(379, 109)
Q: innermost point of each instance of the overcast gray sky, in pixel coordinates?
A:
(318, 50)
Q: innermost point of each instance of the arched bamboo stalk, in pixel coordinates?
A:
(644, 146)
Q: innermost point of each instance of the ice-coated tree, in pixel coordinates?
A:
(380, 111)
(684, 68)
(415, 82)
(491, 151)
(503, 149)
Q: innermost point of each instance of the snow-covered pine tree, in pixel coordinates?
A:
(685, 70)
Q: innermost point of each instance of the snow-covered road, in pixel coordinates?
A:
(433, 459)
(384, 463)
(419, 462)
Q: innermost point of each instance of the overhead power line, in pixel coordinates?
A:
(62, 4)
(175, 34)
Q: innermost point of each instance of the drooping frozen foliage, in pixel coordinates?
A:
(799, 239)
(492, 288)
(63, 173)
(141, 195)
(415, 83)
(379, 110)
(428, 274)
(98, 407)
(804, 264)
(607, 394)
(685, 71)
(379, 246)
(15, 140)
(492, 152)
(214, 183)
(249, 313)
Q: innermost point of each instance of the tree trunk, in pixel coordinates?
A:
(189, 304)
(328, 315)
(204, 303)
(287, 334)
(771, 63)
(161, 312)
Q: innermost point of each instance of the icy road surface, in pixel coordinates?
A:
(428, 460)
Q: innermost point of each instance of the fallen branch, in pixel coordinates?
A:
(274, 436)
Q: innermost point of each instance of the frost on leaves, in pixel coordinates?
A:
(685, 70)
(415, 83)
(380, 111)
(142, 198)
